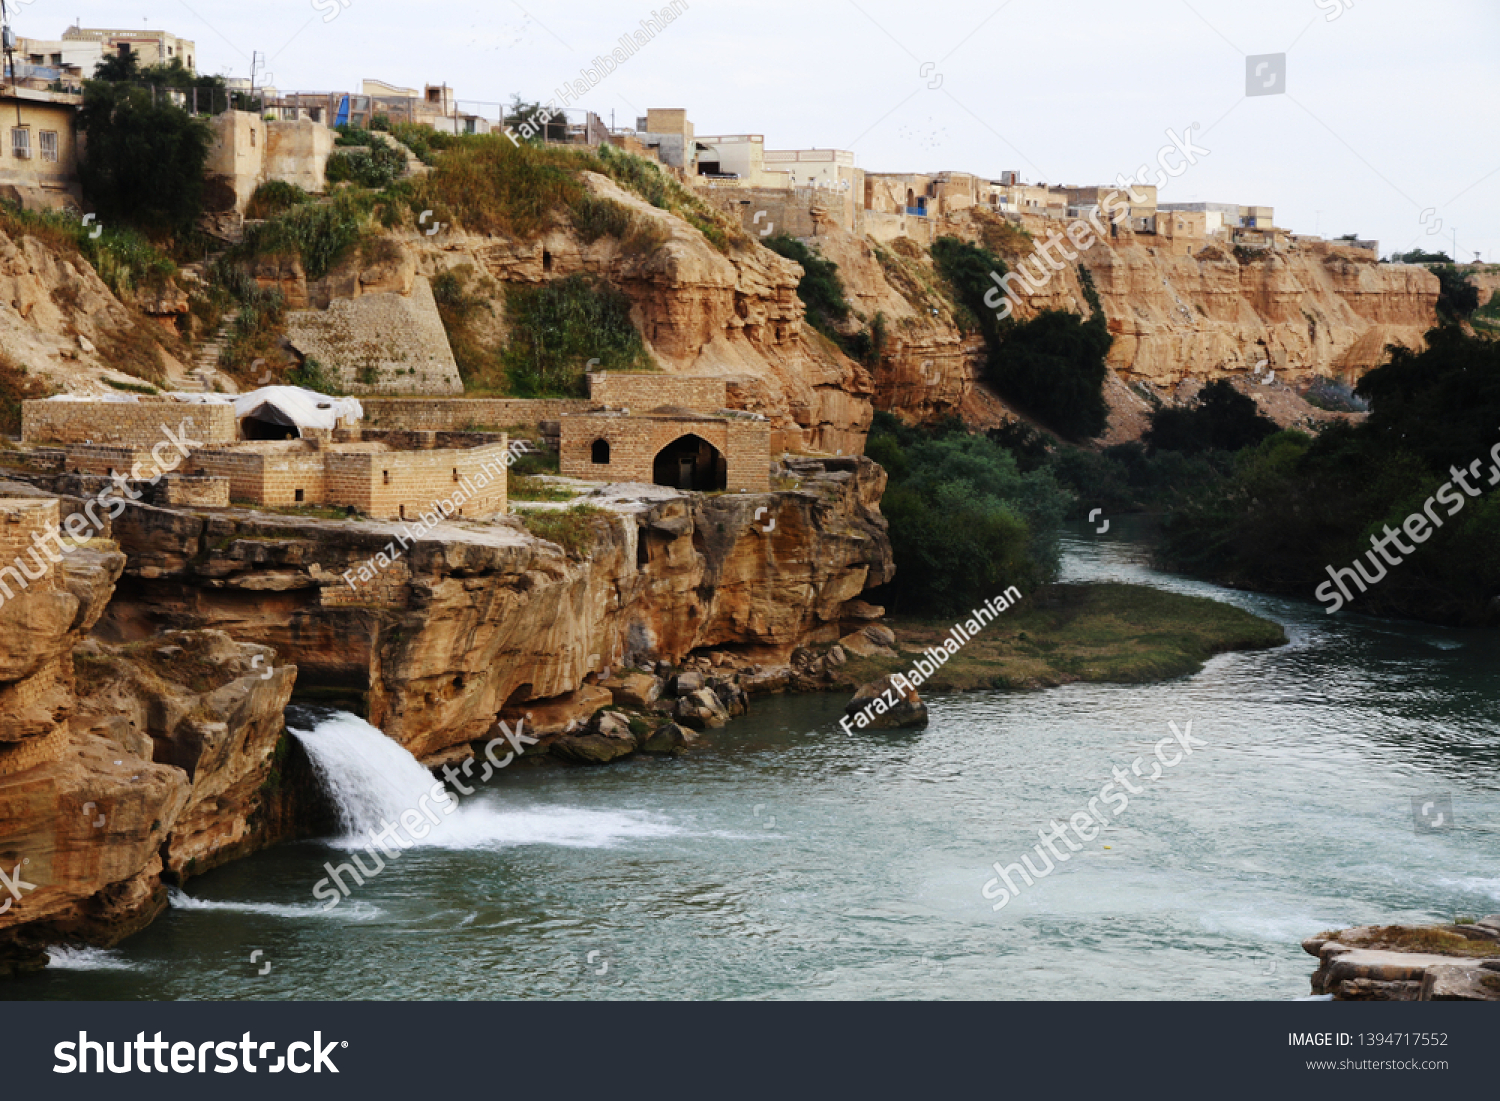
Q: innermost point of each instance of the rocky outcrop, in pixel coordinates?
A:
(477, 622)
(1398, 963)
(60, 322)
(886, 704)
(119, 767)
(1318, 309)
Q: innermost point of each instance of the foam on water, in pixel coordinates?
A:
(86, 959)
(357, 911)
(375, 782)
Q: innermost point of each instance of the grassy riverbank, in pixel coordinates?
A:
(1062, 634)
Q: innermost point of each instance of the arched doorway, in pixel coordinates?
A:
(690, 462)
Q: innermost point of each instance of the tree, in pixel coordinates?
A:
(1457, 297)
(1222, 420)
(144, 165)
(1054, 367)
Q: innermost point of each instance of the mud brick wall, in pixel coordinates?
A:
(641, 393)
(634, 442)
(125, 424)
(380, 342)
(460, 414)
(193, 492)
(406, 484)
(369, 583)
(20, 520)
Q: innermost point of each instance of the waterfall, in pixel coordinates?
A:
(374, 781)
(371, 779)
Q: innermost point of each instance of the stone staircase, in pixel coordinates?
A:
(206, 358)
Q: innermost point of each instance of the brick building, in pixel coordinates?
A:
(670, 447)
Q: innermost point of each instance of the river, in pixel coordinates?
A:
(787, 860)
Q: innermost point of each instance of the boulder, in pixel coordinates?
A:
(685, 684)
(869, 642)
(884, 705)
(731, 695)
(702, 710)
(669, 740)
(637, 690)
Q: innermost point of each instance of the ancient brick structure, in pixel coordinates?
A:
(368, 476)
(380, 342)
(461, 414)
(187, 491)
(684, 450)
(643, 392)
(142, 424)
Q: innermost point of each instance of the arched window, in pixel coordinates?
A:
(599, 453)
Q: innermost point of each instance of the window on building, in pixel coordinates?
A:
(386, 476)
(20, 143)
(599, 453)
(301, 496)
(455, 473)
(49, 145)
(252, 137)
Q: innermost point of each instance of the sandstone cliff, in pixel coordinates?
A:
(120, 766)
(472, 619)
(1318, 310)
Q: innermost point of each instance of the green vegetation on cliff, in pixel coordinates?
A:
(559, 328)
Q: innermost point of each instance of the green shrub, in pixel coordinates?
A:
(965, 522)
(1223, 419)
(376, 168)
(312, 375)
(273, 197)
(16, 386)
(321, 234)
(557, 328)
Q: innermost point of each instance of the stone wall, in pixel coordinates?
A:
(21, 523)
(642, 393)
(193, 492)
(105, 462)
(126, 424)
(247, 151)
(635, 441)
(379, 482)
(271, 474)
(458, 414)
(406, 484)
(380, 343)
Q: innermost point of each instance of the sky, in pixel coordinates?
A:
(1382, 122)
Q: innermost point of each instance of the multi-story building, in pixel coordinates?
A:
(39, 148)
(75, 55)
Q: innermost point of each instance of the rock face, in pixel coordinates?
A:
(1406, 964)
(114, 773)
(480, 622)
(58, 319)
(701, 311)
(1319, 309)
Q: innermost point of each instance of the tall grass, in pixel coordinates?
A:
(273, 197)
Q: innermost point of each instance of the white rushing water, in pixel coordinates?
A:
(375, 783)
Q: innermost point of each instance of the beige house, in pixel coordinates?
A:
(39, 148)
(248, 151)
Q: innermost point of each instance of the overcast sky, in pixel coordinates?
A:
(1390, 111)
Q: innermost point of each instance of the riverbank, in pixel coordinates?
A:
(1063, 634)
